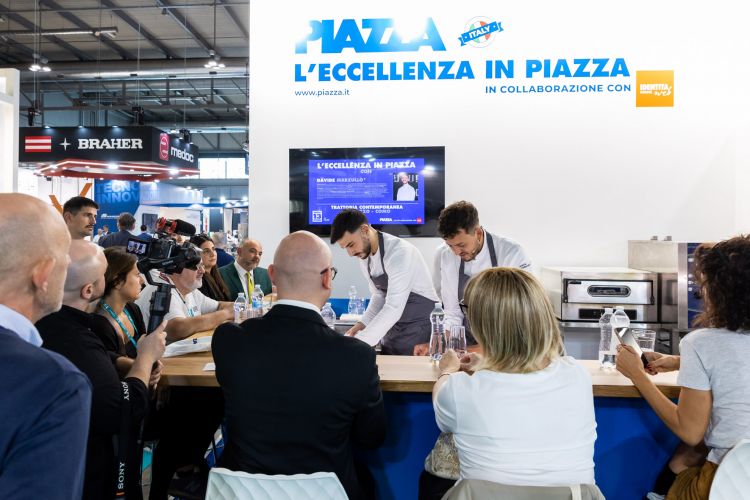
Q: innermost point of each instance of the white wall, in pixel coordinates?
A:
(63, 188)
(9, 114)
(570, 176)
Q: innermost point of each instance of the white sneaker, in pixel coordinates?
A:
(654, 496)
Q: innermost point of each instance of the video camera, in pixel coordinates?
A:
(166, 255)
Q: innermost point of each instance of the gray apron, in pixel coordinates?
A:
(413, 327)
(463, 279)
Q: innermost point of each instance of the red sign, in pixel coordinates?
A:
(164, 146)
(37, 144)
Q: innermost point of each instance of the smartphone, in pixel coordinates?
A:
(627, 338)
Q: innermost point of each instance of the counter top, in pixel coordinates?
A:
(412, 374)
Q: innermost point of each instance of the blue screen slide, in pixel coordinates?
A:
(387, 191)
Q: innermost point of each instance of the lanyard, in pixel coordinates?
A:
(188, 309)
(109, 310)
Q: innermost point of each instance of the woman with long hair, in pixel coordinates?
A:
(213, 284)
(714, 402)
(120, 322)
(521, 413)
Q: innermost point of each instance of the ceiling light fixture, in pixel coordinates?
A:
(213, 59)
(110, 31)
(40, 64)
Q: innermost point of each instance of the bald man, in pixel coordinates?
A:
(244, 273)
(298, 395)
(117, 407)
(45, 399)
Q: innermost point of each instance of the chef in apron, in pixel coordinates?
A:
(468, 249)
(402, 294)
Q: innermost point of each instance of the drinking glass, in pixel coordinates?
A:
(457, 340)
(645, 338)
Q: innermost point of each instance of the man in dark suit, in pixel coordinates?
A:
(243, 274)
(45, 399)
(220, 243)
(303, 414)
(125, 224)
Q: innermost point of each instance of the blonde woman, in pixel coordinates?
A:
(521, 413)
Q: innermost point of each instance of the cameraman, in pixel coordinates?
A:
(189, 310)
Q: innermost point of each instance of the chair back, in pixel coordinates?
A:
(224, 484)
(732, 479)
(476, 489)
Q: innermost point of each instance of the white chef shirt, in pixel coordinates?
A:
(406, 193)
(407, 272)
(509, 254)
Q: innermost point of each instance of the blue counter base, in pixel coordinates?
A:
(631, 448)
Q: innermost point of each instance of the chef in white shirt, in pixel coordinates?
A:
(402, 295)
(405, 192)
(467, 249)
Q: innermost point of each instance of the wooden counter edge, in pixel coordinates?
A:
(630, 391)
(208, 379)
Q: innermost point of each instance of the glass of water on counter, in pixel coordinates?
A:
(646, 339)
(457, 340)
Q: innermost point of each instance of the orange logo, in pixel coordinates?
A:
(83, 192)
(654, 89)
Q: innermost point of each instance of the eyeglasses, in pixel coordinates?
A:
(464, 307)
(333, 270)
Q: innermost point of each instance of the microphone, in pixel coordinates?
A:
(176, 226)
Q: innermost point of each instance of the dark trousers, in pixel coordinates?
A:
(186, 426)
(432, 487)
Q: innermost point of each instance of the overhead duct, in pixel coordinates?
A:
(149, 69)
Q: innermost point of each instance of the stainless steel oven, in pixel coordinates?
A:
(580, 294)
(678, 294)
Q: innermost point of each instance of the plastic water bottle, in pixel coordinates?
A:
(620, 321)
(257, 302)
(329, 316)
(240, 308)
(437, 337)
(606, 356)
(353, 301)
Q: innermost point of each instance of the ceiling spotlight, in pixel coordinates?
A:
(213, 61)
(173, 171)
(113, 166)
(185, 134)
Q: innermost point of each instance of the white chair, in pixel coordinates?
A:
(732, 479)
(477, 489)
(224, 484)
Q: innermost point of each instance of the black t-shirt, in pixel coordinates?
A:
(111, 337)
(68, 332)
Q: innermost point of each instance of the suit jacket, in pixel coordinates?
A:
(233, 282)
(223, 258)
(297, 395)
(120, 238)
(45, 419)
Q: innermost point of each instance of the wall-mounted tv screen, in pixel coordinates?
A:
(401, 190)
